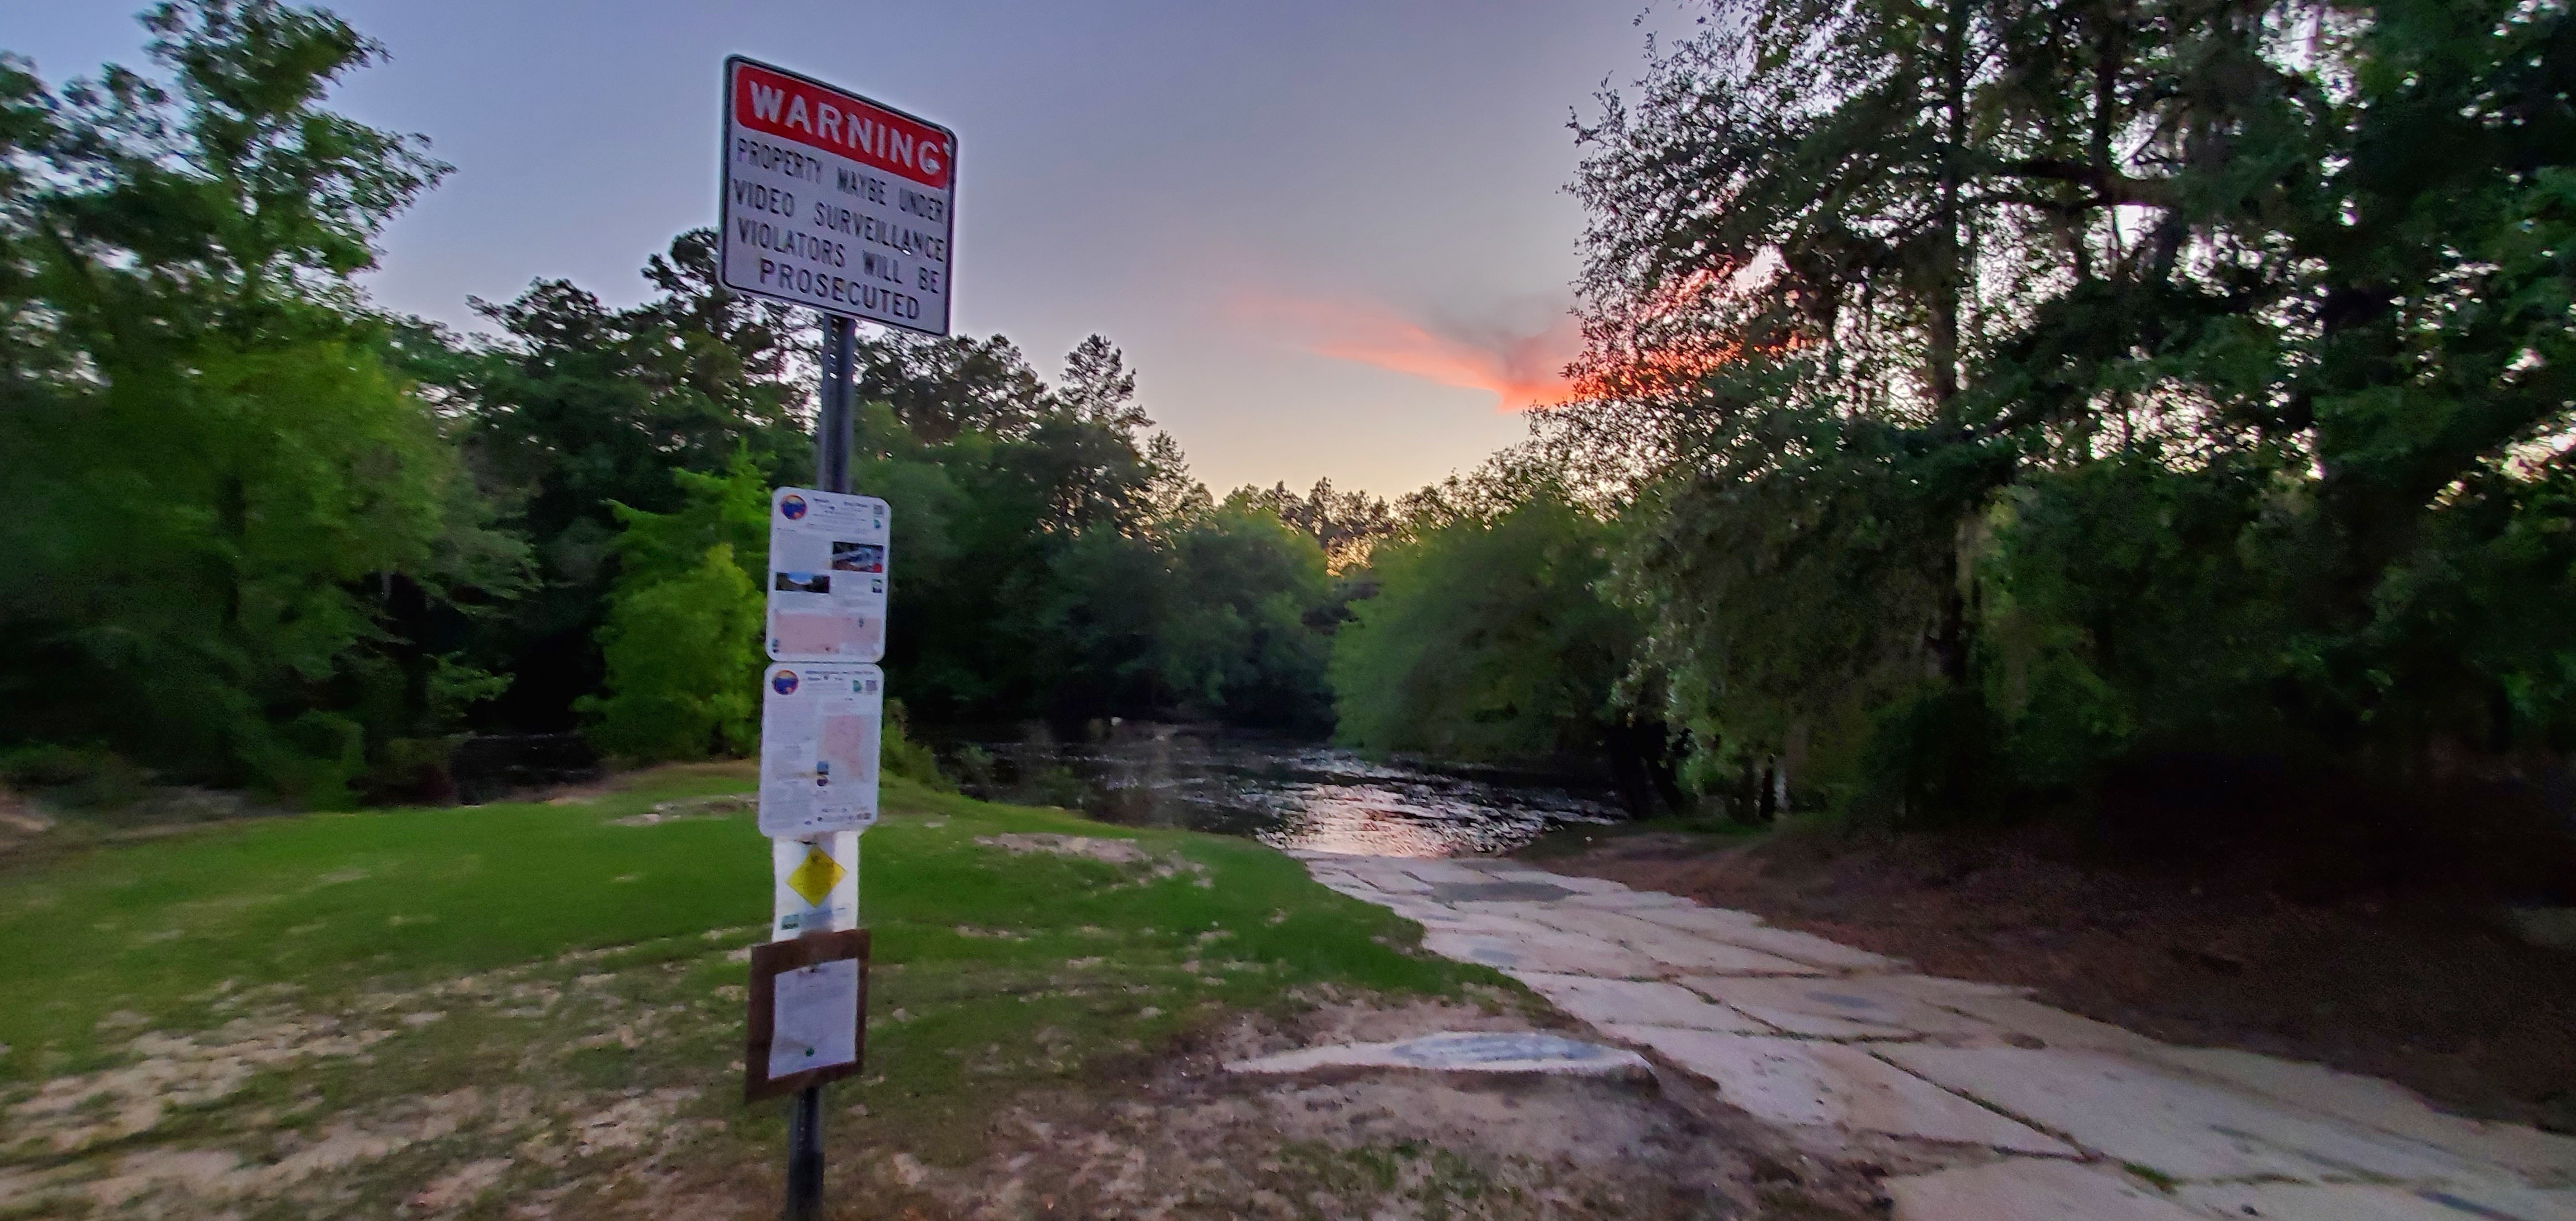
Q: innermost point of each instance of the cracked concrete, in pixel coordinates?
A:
(2042, 1114)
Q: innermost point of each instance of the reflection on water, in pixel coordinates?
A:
(1288, 794)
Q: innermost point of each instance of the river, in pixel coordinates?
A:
(1287, 794)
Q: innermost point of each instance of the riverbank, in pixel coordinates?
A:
(535, 1010)
(2433, 992)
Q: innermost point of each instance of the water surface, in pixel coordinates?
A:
(1294, 795)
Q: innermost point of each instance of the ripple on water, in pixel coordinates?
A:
(1311, 797)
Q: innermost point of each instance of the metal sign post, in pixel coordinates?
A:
(832, 473)
(844, 205)
(832, 423)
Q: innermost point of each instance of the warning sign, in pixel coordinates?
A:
(814, 877)
(835, 202)
(814, 884)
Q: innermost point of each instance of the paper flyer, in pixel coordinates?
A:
(814, 1017)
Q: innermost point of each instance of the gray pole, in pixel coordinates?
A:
(805, 1156)
(832, 474)
(832, 422)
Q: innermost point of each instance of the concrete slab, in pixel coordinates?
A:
(2375, 1202)
(1557, 953)
(1943, 990)
(1693, 918)
(1849, 1007)
(2373, 1103)
(1793, 1081)
(1345, 884)
(1804, 947)
(1630, 900)
(1381, 877)
(1460, 1052)
(1568, 881)
(1437, 873)
(1498, 892)
(2026, 1190)
(1666, 945)
(1605, 1002)
(2186, 1129)
(2018, 1018)
(1450, 919)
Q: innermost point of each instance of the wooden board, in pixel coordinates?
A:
(767, 960)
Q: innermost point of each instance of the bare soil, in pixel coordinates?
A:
(1176, 1136)
(2431, 992)
(278, 1113)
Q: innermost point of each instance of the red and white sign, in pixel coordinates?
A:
(835, 202)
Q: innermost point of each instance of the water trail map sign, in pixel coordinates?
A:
(827, 576)
(819, 728)
(835, 202)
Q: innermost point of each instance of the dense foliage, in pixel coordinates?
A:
(2026, 389)
(261, 534)
(1487, 640)
(1984, 401)
(237, 543)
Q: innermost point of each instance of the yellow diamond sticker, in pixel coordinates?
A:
(815, 876)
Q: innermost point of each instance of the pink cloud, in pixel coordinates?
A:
(1520, 369)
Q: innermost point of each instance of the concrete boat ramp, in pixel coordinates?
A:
(2027, 1112)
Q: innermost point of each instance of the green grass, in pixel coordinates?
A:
(329, 901)
(544, 948)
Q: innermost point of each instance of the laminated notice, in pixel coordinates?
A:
(814, 1017)
(827, 576)
(819, 731)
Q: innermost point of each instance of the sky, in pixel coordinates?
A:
(1332, 236)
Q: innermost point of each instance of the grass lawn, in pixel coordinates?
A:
(431, 1011)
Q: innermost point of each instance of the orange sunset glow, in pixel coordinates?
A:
(1520, 369)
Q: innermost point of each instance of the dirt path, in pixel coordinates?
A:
(1984, 1104)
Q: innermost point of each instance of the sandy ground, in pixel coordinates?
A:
(269, 1114)
(1190, 1140)
(1174, 1137)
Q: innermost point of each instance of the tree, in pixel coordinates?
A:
(1488, 641)
(682, 642)
(1237, 642)
(1345, 524)
(1098, 389)
(942, 387)
(579, 408)
(2042, 384)
(235, 532)
(1171, 498)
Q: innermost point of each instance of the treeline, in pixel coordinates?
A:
(1991, 409)
(259, 533)
(2003, 406)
